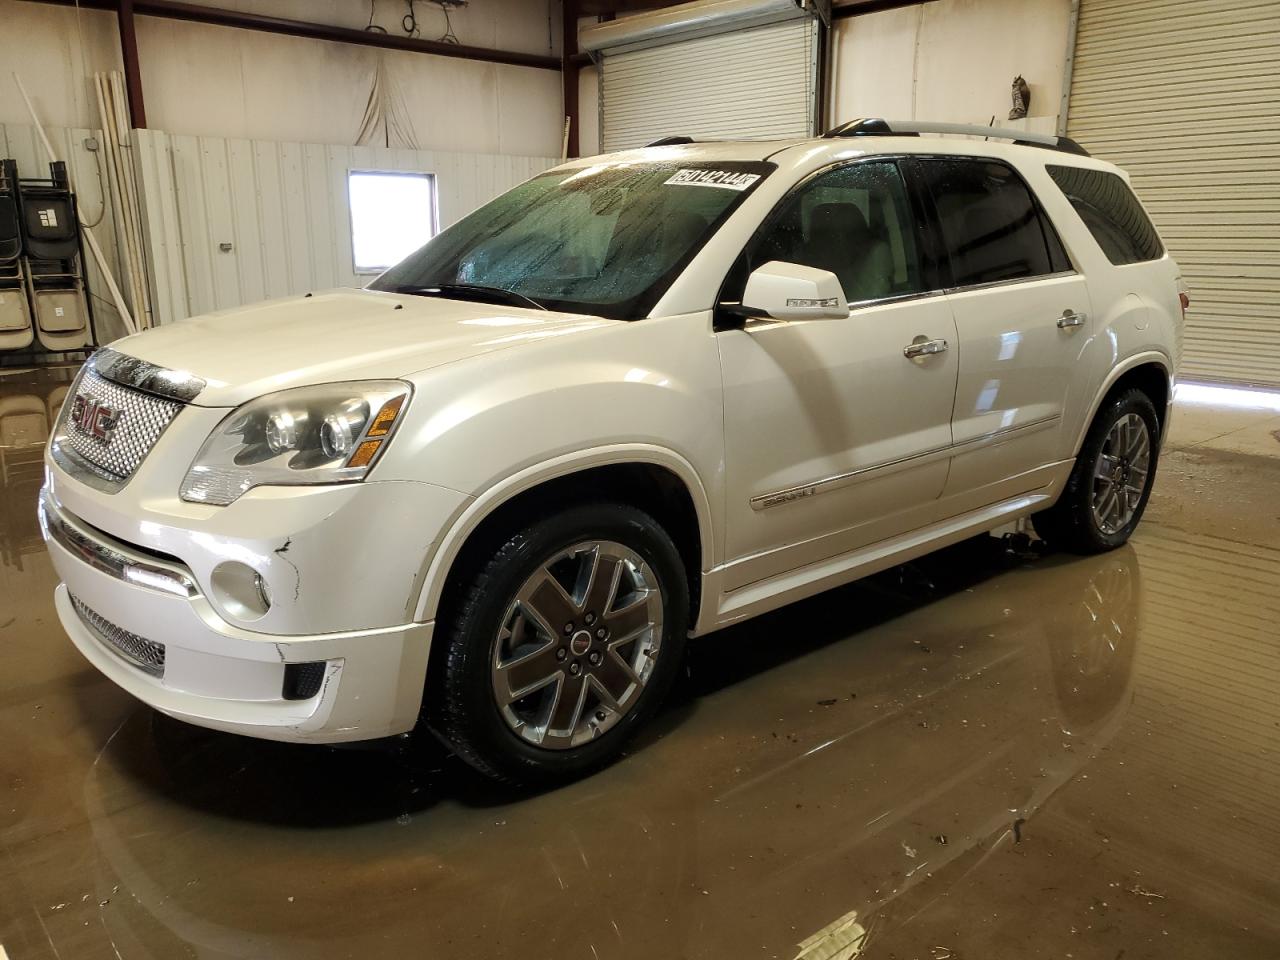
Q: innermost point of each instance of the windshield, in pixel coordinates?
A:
(606, 239)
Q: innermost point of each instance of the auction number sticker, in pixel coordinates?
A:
(724, 179)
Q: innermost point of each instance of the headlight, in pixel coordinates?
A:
(327, 434)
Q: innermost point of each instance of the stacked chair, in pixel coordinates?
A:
(42, 290)
(16, 328)
(51, 242)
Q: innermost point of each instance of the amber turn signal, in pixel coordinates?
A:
(381, 425)
(364, 453)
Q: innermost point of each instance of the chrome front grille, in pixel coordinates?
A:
(146, 655)
(138, 420)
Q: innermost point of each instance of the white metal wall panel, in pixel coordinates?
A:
(1184, 94)
(746, 84)
(283, 209)
(160, 234)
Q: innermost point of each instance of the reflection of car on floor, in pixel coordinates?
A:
(637, 398)
(24, 430)
(1065, 636)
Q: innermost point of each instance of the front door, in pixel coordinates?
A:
(834, 437)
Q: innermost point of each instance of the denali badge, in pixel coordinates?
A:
(94, 418)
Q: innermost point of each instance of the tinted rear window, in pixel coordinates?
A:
(1111, 212)
(990, 222)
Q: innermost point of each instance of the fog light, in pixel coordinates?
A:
(240, 591)
(264, 592)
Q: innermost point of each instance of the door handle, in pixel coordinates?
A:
(1070, 318)
(923, 347)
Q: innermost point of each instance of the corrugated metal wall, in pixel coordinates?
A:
(754, 84)
(1183, 94)
(21, 142)
(283, 209)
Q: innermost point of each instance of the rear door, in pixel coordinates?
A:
(1022, 319)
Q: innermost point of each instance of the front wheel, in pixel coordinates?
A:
(564, 642)
(1108, 489)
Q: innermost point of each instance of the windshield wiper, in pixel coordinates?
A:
(472, 291)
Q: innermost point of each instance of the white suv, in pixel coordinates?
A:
(633, 400)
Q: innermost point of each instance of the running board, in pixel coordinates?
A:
(765, 595)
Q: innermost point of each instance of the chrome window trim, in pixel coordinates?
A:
(897, 298)
(992, 284)
(110, 557)
(755, 323)
(804, 490)
(142, 375)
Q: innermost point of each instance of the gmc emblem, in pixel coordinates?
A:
(94, 418)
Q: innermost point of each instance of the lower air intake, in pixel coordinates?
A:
(145, 655)
(302, 680)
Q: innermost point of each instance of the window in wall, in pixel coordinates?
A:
(855, 221)
(392, 215)
(990, 223)
(1111, 212)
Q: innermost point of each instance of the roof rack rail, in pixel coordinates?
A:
(913, 128)
(669, 141)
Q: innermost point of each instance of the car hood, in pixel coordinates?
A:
(337, 335)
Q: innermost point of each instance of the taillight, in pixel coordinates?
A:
(1185, 301)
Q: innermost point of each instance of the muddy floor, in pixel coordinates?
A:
(987, 754)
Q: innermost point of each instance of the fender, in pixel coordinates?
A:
(477, 509)
(1136, 360)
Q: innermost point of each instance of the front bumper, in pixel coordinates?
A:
(345, 581)
(372, 684)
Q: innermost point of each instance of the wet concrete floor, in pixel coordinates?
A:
(984, 755)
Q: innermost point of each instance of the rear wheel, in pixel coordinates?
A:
(566, 640)
(1109, 486)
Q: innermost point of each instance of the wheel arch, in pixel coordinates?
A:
(1150, 372)
(654, 479)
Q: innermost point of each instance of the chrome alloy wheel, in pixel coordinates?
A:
(1120, 473)
(577, 644)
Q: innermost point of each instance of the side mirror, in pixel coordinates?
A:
(789, 291)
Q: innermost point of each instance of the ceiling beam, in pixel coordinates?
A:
(569, 76)
(857, 8)
(598, 8)
(198, 13)
(132, 71)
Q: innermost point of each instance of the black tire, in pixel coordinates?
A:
(461, 706)
(1070, 523)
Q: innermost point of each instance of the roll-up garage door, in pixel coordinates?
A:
(1184, 95)
(739, 82)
